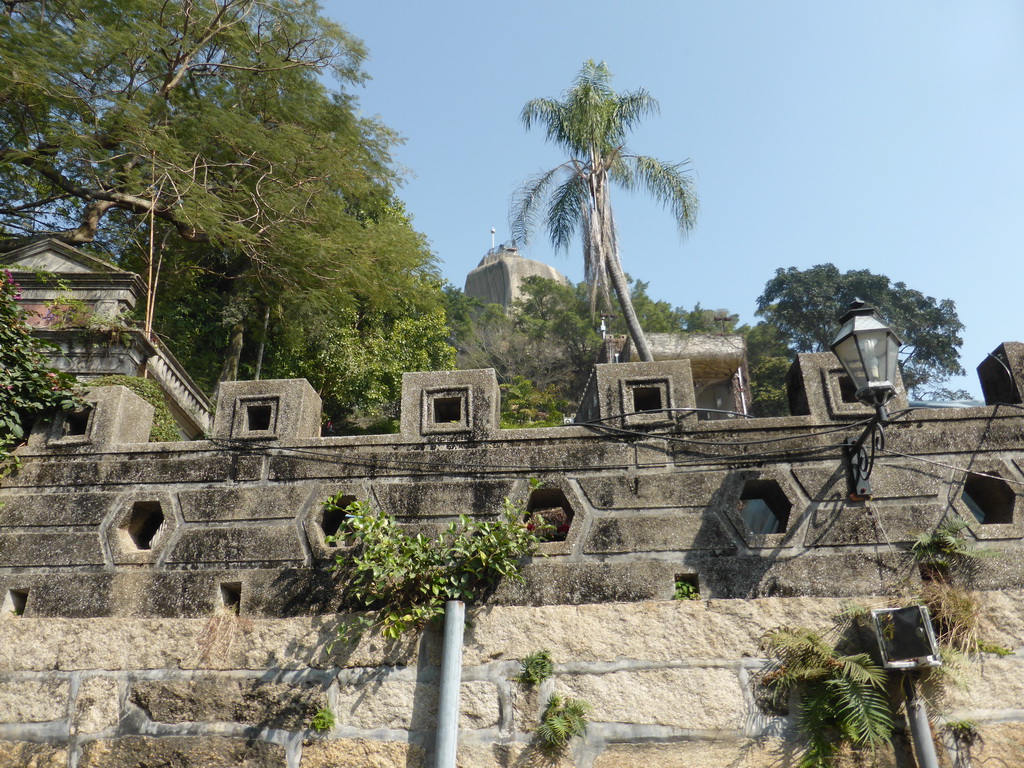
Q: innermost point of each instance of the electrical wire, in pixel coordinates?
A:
(694, 441)
(383, 462)
(950, 466)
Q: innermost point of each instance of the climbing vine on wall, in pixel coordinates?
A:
(402, 580)
(28, 385)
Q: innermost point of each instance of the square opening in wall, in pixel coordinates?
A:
(258, 417)
(231, 596)
(76, 423)
(847, 392)
(647, 399)
(687, 587)
(447, 410)
(14, 603)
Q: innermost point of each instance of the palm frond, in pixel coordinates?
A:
(548, 113)
(527, 201)
(566, 211)
(862, 711)
(862, 669)
(633, 107)
(668, 183)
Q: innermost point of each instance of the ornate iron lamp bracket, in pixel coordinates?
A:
(860, 455)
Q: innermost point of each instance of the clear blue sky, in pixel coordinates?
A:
(878, 135)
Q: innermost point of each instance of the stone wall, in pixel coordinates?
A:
(673, 684)
(172, 604)
(99, 523)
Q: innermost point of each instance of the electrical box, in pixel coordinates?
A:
(906, 638)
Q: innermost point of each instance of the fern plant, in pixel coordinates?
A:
(563, 718)
(536, 668)
(842, 698)
(946, 547)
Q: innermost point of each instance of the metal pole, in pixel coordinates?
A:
(451, 678)
(920, 730)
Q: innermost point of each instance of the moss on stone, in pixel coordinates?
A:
(164, 430)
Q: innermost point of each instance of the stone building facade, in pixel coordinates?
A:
(172, 604)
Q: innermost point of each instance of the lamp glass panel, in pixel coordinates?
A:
(874, 351)
(849, 356)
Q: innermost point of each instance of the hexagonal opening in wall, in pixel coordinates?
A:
(989, 498)
(764, 507)
(551, 505)
(14, 603)
(332, 519)
(144, 523)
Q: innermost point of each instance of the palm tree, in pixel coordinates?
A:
(591, 123)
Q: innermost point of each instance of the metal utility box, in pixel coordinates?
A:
(906, 638)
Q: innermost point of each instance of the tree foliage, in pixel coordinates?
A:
(29, 387)
(355, 358)
(547, 337)
(591, 124)
(806, 306)
(204, 137)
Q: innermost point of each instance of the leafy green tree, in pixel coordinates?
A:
(523, 405)
(29, 387)
(654, 316)
(805, 305)
(547, 337)
(769, 359)
(591, 124)
(355, 358)
(401, 581)
(203, 134)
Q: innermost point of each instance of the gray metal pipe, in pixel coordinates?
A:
(451, 679)
(920, 730)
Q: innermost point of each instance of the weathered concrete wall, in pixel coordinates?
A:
(651, 498)
(171, 604)
(672, 684)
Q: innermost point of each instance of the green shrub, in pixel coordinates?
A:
(403, 581)
(164, 430)
(686, 590)
(29, 386)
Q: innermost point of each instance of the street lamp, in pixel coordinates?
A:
(868, 350)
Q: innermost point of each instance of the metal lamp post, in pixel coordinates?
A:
(868, 350)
